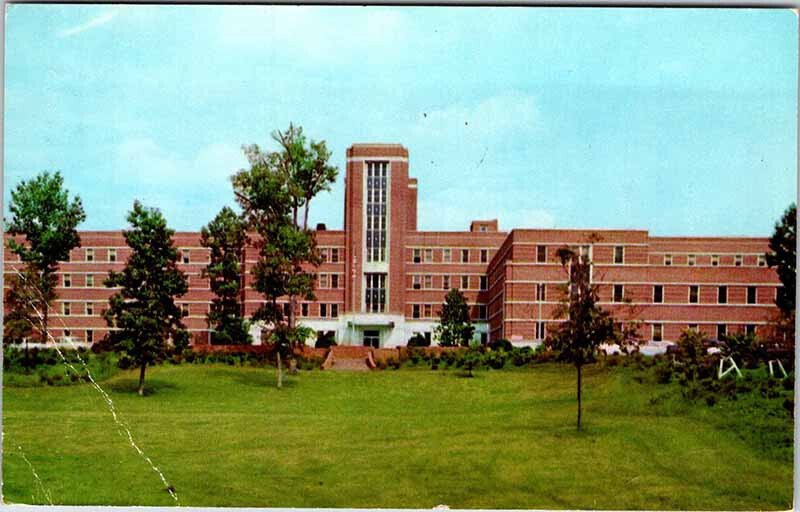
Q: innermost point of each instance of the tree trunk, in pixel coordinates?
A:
(27, 360)
(305, 213)
(45, 314)
(280, 371)
(579, 396)
(141, 379)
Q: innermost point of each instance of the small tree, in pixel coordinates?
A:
(455, 327)
(144, 309)
(225, 237)
(42, 211)
(783, 257)
(26, 298)
(586, 325)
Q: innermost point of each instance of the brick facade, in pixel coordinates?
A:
(512, 280)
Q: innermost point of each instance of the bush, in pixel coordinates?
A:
(663, 373)
(501, 344)
(418, 340)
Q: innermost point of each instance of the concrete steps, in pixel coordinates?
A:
(349, 358)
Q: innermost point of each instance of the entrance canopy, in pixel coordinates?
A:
(370, 322)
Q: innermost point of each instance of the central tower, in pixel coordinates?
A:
(380, 206)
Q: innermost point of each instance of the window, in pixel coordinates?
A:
(658, 331)
(372, 339)
(428, 255)
(89, 336)
(445, 282)
(186, 255)
(112, 255)
(715, 260)
(482, 311)
(334, 310)
(483, 282)
(619, 254)
(334, 255)
(465, 282)
(67, 333)
(417, 256)
(464, 255)
(376, 292)
(541, 292)
(89, 255)
(694, 294)
(484, 338)
(750, 330)
(541, 254)
(377, 174)
(304, 309)
(484, 255)
(185, 309)
(446, 255)
(427, 310)
(667, 260)
(737, 260)
(323, 253)
(540, 331)
(66, 308)
(658, 294)
(691, 260)
(428, 282)
(415, 311)
(67, 280)
(415, 282)
(722, 330)
(334, 281)
(323, 280)
(89, 281)
(323, 310)
(751, 294)
(90, 308)
(618, 292)
(762, 260)
(722, 295)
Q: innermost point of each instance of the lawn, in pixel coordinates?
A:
(224, 436)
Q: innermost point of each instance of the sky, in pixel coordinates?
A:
(678, 121)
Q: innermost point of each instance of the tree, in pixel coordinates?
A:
(42, 210)
(25, 299)
(586, 325)
(783, 257)
(144, 311)
(225, 236)
(455, 327)
(272, 193)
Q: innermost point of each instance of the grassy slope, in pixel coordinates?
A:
(226, 437)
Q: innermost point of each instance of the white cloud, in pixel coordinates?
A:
(96, 21)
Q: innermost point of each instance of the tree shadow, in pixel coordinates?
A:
(131, 386)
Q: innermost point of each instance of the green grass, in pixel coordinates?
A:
(224, 436)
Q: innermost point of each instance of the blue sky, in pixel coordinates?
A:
(679, 121)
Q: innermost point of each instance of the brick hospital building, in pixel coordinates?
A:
(383, 280)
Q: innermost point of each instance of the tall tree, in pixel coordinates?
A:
(272, 193)
(783, 256)
(586, 325)
(42, 210)
(144, 311)
(225, 236)
(455, 327)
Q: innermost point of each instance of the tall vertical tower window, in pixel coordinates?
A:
(376, 211)
(375, 299)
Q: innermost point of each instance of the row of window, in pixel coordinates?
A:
(426, 255)
(427, 311)
(738, 260)
(425, 282)
(693, 297)
(329, 281)
(722, 330)
(329, 255)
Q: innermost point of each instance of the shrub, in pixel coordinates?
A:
(501, 344)
(663, 373)
(418, 340)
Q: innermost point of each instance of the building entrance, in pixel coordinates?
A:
(372, 338)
